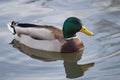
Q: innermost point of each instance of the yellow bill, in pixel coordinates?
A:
(86, 31)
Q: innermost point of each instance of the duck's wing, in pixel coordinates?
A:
(43, 32)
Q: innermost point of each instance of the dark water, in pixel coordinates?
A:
(100, 59)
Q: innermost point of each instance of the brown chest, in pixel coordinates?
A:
(72, 45)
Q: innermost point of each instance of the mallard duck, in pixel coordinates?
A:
(50, 38)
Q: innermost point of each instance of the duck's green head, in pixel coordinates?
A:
(73, 25)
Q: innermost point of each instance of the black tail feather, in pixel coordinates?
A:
(13, 23)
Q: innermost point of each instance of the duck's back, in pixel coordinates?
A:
(43, 32)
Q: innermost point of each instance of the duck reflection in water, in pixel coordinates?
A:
(72, 69)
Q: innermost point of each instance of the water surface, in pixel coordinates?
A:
(99, 60)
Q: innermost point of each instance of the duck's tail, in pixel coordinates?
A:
(11, 26)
